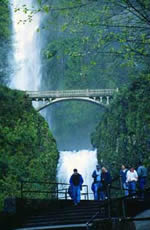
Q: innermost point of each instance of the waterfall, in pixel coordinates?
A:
(83, 160)
(26, 74)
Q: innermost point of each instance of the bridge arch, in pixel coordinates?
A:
(90, 100)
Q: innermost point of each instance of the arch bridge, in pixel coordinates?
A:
(97, 96)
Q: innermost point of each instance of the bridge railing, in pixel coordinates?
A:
(71, 93)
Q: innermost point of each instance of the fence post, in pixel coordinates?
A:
(21, 189)
(123, 208)
(57, 192)
(87, 192)
(109, 201)
(121, 183)
(66, 194)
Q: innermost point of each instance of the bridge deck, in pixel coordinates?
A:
(71, 93)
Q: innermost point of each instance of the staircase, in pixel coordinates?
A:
(67, 216)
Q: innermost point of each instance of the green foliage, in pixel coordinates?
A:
(4, 20)
(28, 149)
(122, 136)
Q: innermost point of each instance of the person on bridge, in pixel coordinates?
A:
(132, 178)
(123, 178)
(97, 183)
(76, 182)
(142, 174)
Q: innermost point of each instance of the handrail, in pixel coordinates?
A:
(122, 198)
(123, 218)
(91, 219)
(55, 190)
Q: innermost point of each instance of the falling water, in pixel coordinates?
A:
(83, 160)
(27, 76)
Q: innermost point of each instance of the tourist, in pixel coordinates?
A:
(132, 178)
(123, 177)
(106, 182)
(142, 176)
(97, 184)
(76, 182)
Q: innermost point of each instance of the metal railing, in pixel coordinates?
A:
(48, 190)
(107, 204)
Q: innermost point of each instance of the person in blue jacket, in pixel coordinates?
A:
(142, 177)
(76, 182)
(123, 177)
(97, 184)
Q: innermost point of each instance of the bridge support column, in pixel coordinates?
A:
(101, 99)
(107, 102)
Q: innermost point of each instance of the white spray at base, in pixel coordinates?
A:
(83, 160)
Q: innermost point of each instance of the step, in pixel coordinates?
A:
(70, 213)
(63, 221)
(56, 227)
(66, 215)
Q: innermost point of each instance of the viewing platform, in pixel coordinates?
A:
(45, 205)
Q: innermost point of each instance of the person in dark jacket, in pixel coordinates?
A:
(106, 181)
(142, 176)
(123, 177)
(76, 182)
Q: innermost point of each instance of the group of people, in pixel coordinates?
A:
(99, 186)
(102, 181)
(130, 177)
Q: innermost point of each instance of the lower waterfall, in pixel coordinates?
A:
(83, 160)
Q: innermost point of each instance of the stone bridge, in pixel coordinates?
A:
(97, 96)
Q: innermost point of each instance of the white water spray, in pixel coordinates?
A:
(26, 74)
(83, 160)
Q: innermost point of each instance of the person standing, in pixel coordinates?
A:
(106, 182)
(123, 176)
(97, 184)
(142, 175)
(76, 182)
(132, 178)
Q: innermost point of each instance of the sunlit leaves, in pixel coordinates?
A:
(64, 27)
(46, 8)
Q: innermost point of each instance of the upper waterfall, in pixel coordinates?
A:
(26, 75)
